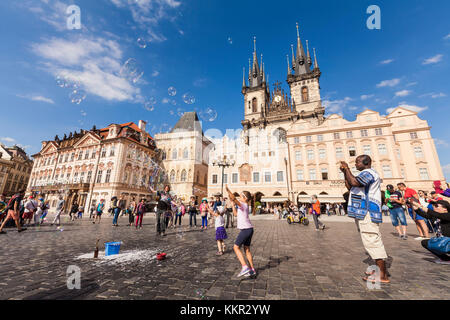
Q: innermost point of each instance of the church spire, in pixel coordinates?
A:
(243, 78)
(293, 57)
(316, 65)
(308, 57)
(289, 67)
(301, 66)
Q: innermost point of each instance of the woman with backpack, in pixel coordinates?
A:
(100, 208)
(140, 210)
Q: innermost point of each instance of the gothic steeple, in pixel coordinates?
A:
(301, 61)
(316, 65)
(256, 75)
(288, 66)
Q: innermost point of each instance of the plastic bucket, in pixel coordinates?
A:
(112, 248)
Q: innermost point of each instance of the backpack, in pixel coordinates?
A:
(10, 205)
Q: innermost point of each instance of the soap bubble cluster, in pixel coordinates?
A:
(131, 70)
(149, 104)
(142, 43)
(208, 114)
(188, 98)
(77, 96)
(172, 91)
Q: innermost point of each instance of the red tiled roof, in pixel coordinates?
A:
(132, 125)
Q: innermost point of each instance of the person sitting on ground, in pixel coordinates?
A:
(441, 211)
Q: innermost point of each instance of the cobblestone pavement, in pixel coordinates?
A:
(293, 262)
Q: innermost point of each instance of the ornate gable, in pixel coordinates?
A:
(88, 140)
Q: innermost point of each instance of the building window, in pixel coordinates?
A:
(339, 153)
(337, 136)
(402, 172)
(103, 152)
(379, 131)
(398, 154)
(174, 154)
(320, 137)
(310, 154)
(298, 155)
(322, 154)
(214, 178)
(89, 177)
(72, 157)
(382, 149)
(82, 177)
(254, 105)
(418, 152)
(387, 172)
(94, 153)
(296, 140)
(367, 150)
(112, 152)
(413, 135)
(86, 155)
(225, 178)
(66, 157)
(60, 159)
(364, 133)
(185, 153)
(423, 174)
(234, 178)
(108, 176)
(308, 138)
(99, 176)
(255, 177)
(349, 134)
(324, 173)
(80, 155)
(183, 176)
(352, 151)
(280, 176)
(300, 175)
(312, 174)
(172, 176)
(267, 177)
(305, 95)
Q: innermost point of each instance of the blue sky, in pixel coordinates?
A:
(200, 47)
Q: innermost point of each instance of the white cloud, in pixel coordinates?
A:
(403, 93)
(199, 83)
(435, 59)
(8, 139)
(388, 61)
(149, 13)
(433, 95)
(93, 62)
(336, 106)
(155, 73)
(409, 107)
(367, 96)
(447, 37)
(411, 84)
(37, 98)
(52, 12)
(441, 143)
(388, 83)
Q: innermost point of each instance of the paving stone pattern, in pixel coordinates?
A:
(293, 262)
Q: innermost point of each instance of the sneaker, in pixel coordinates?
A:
(405, 237)
(439, 261)
(253, 272)
(244, 271)
(418, 238)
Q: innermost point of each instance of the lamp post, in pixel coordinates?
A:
(287, 182)
(223, 163)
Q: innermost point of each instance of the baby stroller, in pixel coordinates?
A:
(297, 217)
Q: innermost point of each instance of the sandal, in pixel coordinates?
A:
(372, 279)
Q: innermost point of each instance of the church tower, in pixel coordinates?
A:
(304, 83)
(255, 93)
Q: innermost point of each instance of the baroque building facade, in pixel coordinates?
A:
(119, 160)
(288, 149)
(15, 169)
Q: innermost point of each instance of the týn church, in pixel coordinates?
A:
(289, 149)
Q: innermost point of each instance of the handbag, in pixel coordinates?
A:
(440, 245)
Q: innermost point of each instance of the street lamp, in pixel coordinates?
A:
(223, 163)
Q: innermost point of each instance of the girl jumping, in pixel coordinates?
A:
(246, 231)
